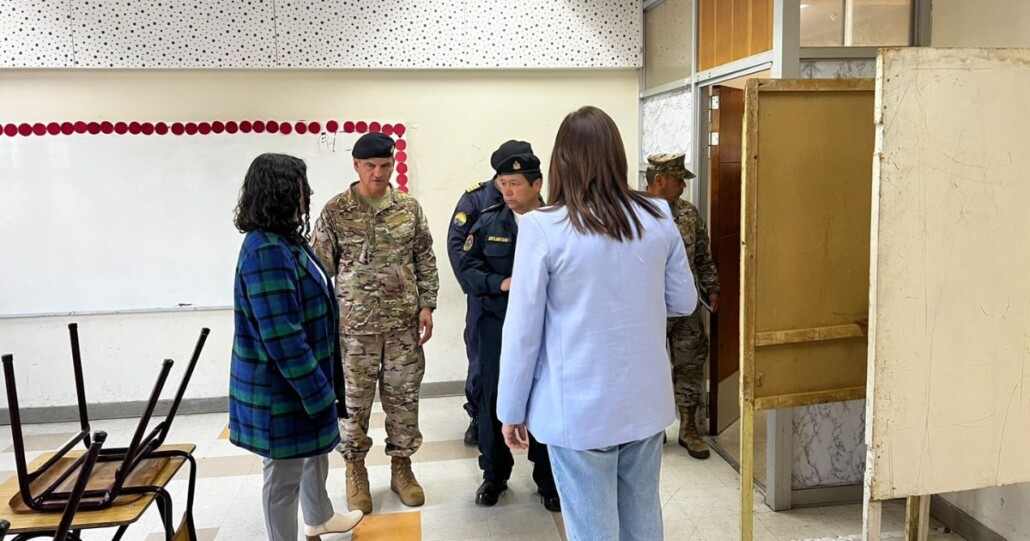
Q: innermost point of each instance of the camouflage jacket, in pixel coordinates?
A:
(695, 237)
(383, 261)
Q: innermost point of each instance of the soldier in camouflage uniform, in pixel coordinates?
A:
(688, 344)
(377, 243)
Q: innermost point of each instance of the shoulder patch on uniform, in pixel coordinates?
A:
(473, 187)
(468, 243)
(460, 218)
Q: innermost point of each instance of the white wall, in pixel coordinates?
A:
(455, 120)
(988, 23)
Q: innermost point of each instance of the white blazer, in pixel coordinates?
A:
(583, 356)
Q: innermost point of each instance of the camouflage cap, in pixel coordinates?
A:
(670, 164)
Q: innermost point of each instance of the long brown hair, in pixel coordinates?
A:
(588, 177)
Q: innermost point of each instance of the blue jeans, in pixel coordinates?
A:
(611, 494)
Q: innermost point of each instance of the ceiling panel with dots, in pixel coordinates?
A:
(173, 33)
(35, 33)
(321, 33)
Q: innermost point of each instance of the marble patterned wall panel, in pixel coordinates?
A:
(35, 34)
(666, 124)
(838, 69)
(173, 33)
(829, 446)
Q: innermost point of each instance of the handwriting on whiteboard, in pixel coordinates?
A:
(327, 143)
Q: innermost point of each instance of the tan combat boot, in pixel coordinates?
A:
(689, 437)
(359, 498)
(402, 481)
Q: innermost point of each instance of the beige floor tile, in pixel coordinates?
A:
(43, 442)
(727, 528)
(436, 451)
(559, 521)
(679, 530)
(537, 536)
(229, 466)
(205, 534)
(458, 523)
(807, 523)
(729, 443)
(507, 520)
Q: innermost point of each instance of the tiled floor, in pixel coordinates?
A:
(700, 498)
(729, 443)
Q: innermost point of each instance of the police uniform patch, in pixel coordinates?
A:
(473, 187)
(468, 243)
(492, 238)
(460, 219)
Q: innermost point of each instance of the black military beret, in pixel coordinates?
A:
(373, 145)
(515, 157)
(507, 150)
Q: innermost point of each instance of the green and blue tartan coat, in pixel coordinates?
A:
(286, 386)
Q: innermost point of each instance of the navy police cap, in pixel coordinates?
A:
(514, 157)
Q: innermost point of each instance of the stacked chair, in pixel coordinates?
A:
(103, 478)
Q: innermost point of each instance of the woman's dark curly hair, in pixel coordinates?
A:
(270, 197)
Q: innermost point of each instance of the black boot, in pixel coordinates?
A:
(472, 432)
(551, 501)
(489, 492)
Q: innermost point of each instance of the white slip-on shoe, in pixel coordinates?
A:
(337, 524)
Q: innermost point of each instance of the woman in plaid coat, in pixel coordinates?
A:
(286, 382)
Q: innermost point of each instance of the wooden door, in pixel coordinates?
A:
(725, 128)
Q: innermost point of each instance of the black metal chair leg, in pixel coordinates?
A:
(164, 501)
(64, 527)
(190, 491)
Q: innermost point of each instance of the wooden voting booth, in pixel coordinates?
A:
(808, 147)
(948, 407)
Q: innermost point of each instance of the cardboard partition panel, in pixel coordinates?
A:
(808, 149)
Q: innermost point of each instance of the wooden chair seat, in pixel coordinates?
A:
(102, 478)
(116, 515)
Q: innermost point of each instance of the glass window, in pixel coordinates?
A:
(822, 23)
(866, 23)
(668, 42)
(881, 22)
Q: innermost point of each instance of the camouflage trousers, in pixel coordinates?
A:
(688, 348)
(395, 362)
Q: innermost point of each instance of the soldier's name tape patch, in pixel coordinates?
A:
(460, 219)
(468, 243)
(397, 219)
(492, 238)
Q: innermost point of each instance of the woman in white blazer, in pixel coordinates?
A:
(583, 358)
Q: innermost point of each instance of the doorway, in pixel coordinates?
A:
(722, 161)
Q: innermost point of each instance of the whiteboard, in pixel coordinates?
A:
(949, 377)
(111, 222)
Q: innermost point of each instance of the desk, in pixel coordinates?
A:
(116, 515)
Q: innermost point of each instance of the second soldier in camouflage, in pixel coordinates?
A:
(688, 344)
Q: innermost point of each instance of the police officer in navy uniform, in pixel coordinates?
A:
(476, 198)
(489, 254)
